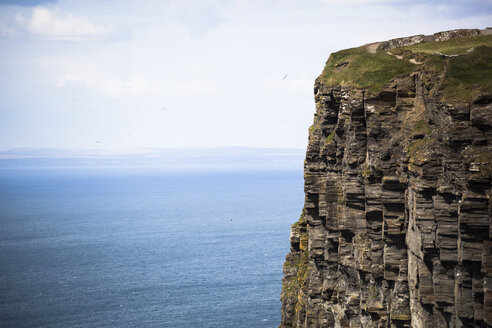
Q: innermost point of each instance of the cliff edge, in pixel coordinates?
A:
(396, 226)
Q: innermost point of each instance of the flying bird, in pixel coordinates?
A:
(284, 77)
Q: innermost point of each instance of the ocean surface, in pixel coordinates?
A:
(123, 248)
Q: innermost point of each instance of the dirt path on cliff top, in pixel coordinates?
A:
(372, 47)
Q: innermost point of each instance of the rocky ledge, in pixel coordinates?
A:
(396, 226)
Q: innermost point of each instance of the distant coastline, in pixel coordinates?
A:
(218, 158)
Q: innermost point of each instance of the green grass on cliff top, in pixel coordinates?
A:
(469, 74)
(451, 47)
(466, 74)
(358, 68)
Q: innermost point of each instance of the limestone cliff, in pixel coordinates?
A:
(396, 226)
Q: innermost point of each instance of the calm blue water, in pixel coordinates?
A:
(144, 249)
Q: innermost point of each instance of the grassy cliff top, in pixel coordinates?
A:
(466, 62)
(358, 67)
(451, 47)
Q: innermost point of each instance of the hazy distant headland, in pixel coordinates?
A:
(219, 158)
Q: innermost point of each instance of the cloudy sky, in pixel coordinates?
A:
(186, 73)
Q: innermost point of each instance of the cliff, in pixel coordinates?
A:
(396, 226)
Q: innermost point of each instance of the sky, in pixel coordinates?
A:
(124, 74)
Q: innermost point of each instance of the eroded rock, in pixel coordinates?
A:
(396, 228)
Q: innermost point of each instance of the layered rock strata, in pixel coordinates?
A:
(396, 226)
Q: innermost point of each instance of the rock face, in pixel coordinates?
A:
(396, 226)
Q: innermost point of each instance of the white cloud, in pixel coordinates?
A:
(46, 23)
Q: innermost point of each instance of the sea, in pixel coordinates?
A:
(144, 248)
